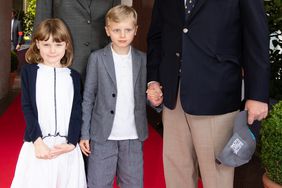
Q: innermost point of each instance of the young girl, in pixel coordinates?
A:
(51, 102)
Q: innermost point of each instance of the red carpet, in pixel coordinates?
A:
(12, 128)
(11, 139)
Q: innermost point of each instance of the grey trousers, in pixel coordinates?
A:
(123, 159)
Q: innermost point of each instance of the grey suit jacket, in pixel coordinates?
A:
(85, 19)
(100, 91)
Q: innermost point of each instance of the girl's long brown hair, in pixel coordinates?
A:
(58, 30)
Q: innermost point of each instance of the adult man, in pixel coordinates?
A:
(16, 32)
(85, 19)
(196, 50)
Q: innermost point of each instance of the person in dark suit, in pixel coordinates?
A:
(16, 32)
(85, 19)
(196, 49)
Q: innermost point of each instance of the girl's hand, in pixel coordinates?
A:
(60, 149)
(42, 151)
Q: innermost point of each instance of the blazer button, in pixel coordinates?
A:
(185, 30)
(88, 21)
(177, 54)
(86, 43)
(114, 95)
(112, 112)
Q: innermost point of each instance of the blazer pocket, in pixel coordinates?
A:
(228, 59)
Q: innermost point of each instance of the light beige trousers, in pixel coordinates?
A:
(194, 141)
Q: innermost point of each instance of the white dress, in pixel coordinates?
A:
(54, 98)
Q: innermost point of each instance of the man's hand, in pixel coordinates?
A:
(256, 110)
(85, 147)
(154, 93)
(18, 47)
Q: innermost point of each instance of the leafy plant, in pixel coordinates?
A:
(271, 128)
(273, 9)
(271, 143)
(29, 17)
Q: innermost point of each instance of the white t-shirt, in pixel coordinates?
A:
(124, 127)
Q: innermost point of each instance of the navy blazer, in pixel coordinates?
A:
(206, 52)
(28, 85)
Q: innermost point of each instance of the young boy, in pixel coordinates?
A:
(114, 106)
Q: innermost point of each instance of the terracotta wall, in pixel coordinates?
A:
(5, 42)
(144, 10)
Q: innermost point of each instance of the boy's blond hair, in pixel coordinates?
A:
(119, 13)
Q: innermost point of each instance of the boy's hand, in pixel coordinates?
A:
(85, 147)
(42, 151)
(60, 149)
(154, 93)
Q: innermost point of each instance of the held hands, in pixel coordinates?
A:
(154, 93)
(85, 147)
(42, 151)
(256, 110)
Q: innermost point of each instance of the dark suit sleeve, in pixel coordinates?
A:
(76, 113)
(33, 130)
(255, 50)
(19, 32)
(43, 11)
(154, 41)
